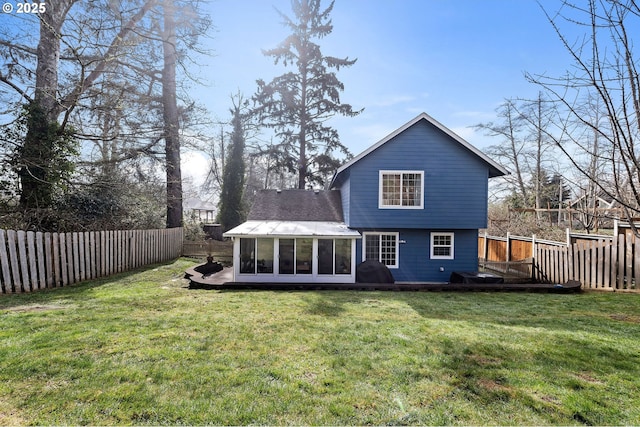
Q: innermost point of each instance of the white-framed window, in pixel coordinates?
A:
(442, 245)
(401, 190)
(256, 255)
(382, 247)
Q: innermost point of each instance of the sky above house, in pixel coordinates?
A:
(456, 60)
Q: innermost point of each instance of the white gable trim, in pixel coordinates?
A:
(428, 118)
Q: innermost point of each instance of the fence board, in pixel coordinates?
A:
(55, 246)
(4, 264)
(64, 273)
(81, 257)
(91, 255)
(31, 260)
(24, 260)
(12, 238)
(606, 279)
(42, 281)
(48, 259)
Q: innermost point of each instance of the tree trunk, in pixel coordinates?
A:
(171, 123)
(302, 136)
(36, 191)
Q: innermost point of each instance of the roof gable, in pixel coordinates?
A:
(495, 169)
(296, 205)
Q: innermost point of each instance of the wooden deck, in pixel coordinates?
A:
(224, 281)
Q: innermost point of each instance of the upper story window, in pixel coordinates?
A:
(401, 189)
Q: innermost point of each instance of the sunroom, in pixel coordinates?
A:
(294, 252)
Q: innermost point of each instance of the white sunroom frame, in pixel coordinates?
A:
(277, 230)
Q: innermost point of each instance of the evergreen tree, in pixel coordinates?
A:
(231, 210)
(297, 104)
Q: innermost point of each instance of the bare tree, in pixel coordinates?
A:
(109, 76)
(524, 147)
(604, 70)
(512, 149)
(50, 103)
(538, 115)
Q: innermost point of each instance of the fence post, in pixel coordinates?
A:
(621, 259)
(534, 257)
(485, 245)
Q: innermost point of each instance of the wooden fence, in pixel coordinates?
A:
(605, 263)
(30, 261)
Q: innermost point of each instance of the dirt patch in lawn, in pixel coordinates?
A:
(35, 307)
(625, 318)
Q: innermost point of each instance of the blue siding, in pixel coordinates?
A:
(345, 194)
(456, 183)
(415, 264)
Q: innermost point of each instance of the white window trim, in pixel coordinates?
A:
(381, 233)
(431, 246)
(381, 204)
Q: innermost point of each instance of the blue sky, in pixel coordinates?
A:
(456, 60)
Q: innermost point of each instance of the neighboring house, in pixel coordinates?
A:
(591, 211)
(414, 201)
(200, 210)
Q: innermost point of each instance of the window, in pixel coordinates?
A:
(304, 256)
(442, 246)
(256, 255)
(334, 256)
(325, 256)
(343, 256)
(382, 247)
(295, 256)
(287, 256)
(248, 256)
(265, 255)
(401, 189)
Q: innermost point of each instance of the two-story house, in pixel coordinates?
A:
(414, 201)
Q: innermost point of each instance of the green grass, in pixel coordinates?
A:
(141, 348)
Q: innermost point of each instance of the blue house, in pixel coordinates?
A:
(413, 201)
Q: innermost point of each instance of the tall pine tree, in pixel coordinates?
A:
(297, 104)
(231, 211)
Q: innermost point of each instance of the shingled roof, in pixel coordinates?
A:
(297, 205)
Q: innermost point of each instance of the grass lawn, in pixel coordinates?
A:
(141, 348)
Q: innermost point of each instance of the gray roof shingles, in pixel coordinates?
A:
(297, 205)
